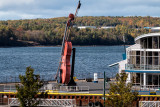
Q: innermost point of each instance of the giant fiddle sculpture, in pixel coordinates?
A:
(64, 67)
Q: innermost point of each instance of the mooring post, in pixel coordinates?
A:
(104, 87)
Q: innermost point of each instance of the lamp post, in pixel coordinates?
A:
(104, 88)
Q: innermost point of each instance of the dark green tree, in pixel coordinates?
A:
(120, 92)
(28, 91)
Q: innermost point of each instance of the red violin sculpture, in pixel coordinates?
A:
(64, 65)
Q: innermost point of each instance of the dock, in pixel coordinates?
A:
(82, 95)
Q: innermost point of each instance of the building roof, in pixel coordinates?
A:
(146, 35)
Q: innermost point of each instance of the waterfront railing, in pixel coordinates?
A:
(141, 67)
(146, 87)
(47, 102)
(149, 103)
(50, 77)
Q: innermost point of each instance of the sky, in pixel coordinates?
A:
(32, 9)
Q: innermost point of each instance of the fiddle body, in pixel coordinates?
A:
(65, 69)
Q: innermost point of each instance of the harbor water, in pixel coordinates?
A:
(45, 60)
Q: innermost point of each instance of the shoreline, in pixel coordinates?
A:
(60, 46)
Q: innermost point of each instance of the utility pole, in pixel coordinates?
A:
(104, 87)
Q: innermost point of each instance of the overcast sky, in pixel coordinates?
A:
(31, 9)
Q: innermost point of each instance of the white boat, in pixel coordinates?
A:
(142, 63)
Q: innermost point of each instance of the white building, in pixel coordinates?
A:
(107, 27)
(142, 62)
(84, 27)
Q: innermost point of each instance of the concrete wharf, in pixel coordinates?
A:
(84, 94)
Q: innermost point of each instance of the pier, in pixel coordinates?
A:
(83, 94)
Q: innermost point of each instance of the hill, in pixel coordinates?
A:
(50, 31)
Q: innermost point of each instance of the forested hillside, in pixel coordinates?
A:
(50, 31)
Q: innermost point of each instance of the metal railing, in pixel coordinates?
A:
(52, 88)
(15, 78)
(146, 87)
(149, 103)
(141, 67)
(74, 88)
(10, 88)
(1, 99)
(47, 102)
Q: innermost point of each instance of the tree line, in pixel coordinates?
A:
(51, 31)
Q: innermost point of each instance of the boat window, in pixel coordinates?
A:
(150, 60)
(137, 77)
(155, 53)
(155, 78)
(150, 42)
(149, 53)
(141, 78)
(133, 53)
(159, 42)
(155, 42)
(133, 60)
(142, 60)
(159, 80)
(129, 60)
(149, 79)
(137, 52)
(145, 43)
(159, 57)
(155, 62)
(142, 53)
(137, 59)
(141, 42)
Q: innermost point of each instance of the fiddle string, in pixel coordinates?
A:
(73, 21)
(69, 32)
(62, 51)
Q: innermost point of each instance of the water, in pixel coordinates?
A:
(45, 60)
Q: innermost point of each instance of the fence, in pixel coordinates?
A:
(149, 103)
(47, 102)
(74, 88)
(15, 79)
(9, 88)
(50, 77)
(146, 87)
